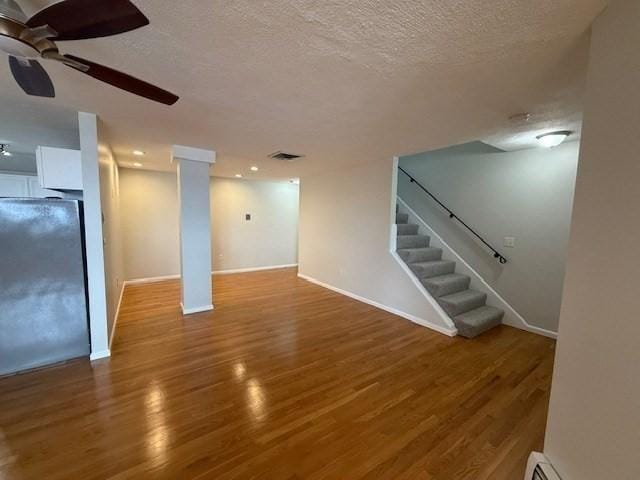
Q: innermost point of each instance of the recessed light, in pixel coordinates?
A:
(254, 169)
(553, 139)
(137, 164)
(238, 175)
(138, 153)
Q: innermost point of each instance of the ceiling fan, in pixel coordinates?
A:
(25, 39)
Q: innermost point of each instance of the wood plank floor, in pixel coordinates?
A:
(284, 380)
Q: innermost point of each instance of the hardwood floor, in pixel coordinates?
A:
(284, 380)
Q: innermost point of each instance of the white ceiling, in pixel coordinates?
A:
(342, 82)
(25, 124)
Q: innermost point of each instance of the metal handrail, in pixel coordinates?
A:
(453, 216)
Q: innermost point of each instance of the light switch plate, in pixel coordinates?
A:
(510, 242)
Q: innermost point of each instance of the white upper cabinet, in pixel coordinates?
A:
(59, 168)
(36, 191)
(14, 186)
(23, 186)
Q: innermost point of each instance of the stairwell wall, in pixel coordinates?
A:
(526, 194)
(344, 236)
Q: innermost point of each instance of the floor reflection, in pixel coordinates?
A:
(157, 429)
(256, 400)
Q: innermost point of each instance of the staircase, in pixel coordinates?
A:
(467, 308)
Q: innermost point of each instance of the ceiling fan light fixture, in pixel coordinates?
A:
(27, 40)
(553, 139)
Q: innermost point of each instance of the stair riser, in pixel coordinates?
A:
(453, 286)
(433, 270)
(430, 255)
(407, 229)
(469, 331)
(402, 218)
(412, 241)
(454, 309)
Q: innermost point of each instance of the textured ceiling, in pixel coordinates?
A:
(24, 125)
(342, 82)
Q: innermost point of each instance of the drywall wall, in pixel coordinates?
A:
(526, 194)
(151, 233)
(111, 228)
(88, 127)
(270, 237)
(150, 223)
(345, 218)
(593, 430)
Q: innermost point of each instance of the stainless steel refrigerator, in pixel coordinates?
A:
(43, 295)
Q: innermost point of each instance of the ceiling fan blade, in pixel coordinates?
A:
(11, 9)
(31, 77)
(82, 19)
(123, 81)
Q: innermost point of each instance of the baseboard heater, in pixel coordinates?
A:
(539, 468)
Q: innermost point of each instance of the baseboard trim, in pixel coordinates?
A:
(115, 320)
(253, 269)
(407, 316)
(189, 311)
(522, 324)
(99, 355)
(164, 278)
(140, 281)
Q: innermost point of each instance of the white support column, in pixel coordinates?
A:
(195, 227)
(99, 332)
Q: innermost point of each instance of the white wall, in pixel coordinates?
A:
(526, 194)
(269, 238)
(345, 218)
(593, 430)
(150, 223)
(111, 228)
(151, 232)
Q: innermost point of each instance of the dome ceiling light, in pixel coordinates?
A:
(553, 139)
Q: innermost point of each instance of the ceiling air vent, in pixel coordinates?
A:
(290, 157)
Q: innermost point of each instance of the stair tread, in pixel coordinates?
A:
(477, 321)
(408, 229)
(412, 241)
(460, 302)
(477, 315)
(462, 296)
(434, 262)
(402, 218)
(419, 249)
(449, 277)
(446, 284)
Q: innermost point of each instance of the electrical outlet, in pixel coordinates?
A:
(247, 217)
(510, 242)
